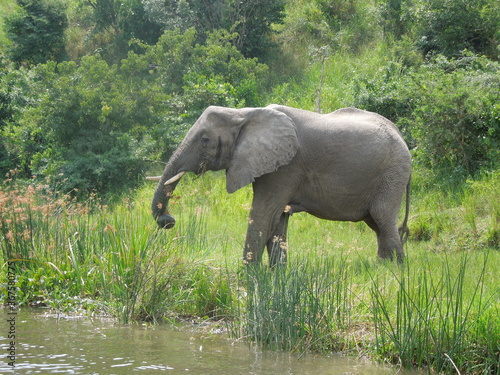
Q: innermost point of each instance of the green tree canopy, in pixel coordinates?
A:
(37, 31)
(452, 26)
(121, 21)
(92, 126)
(252, 20)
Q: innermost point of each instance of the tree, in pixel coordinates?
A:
(36, 31)
(448, 111)
(252, 20)
(122, 21)
(87, 125)
(395, 17)
(318, 25)
(92, 126)
(451, 26)
(14, 97)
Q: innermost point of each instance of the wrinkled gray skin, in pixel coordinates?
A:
(349, 165)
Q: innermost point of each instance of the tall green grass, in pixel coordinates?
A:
(342, 72)
(6, 8)
(431, 320)
(304, 307)
(439, 310)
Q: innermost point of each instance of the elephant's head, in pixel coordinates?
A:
(247, 142)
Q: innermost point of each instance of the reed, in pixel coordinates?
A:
(301, 307)
(430, 322)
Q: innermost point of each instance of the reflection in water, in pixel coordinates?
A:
(47, 344)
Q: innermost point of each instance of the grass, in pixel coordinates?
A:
(438, 311)
(435, 316)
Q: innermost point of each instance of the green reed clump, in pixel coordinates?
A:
(304, 306)
(34, 215)
(435, 318)
(74, 256)
(482, 209)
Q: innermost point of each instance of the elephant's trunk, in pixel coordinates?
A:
(185, 158)
(163, 192)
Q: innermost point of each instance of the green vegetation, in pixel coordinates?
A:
(113, 86)
(439, 310)
(36, 31)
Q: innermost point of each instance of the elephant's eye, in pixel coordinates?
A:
(204, 141)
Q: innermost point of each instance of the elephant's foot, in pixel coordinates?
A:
(387, 253)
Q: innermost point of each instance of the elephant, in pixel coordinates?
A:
(348, 165)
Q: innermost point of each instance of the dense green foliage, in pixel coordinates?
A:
(251, 20)
(93, 125)
(448, 110)
(36, 30)
(450, 26)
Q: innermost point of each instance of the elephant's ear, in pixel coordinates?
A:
(267, 140)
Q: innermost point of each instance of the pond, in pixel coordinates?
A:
(49, 344)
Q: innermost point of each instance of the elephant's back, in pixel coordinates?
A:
(349, 130)
(363, 119)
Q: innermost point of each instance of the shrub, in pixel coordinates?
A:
(450, 26)
(448, 111)
(37, 31)
(252, 20)
(345, 25)
(85, 124)
(92, 126)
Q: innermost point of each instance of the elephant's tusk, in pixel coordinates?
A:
(153, 178)
(177, 177)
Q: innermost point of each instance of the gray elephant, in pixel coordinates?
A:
(349, 165)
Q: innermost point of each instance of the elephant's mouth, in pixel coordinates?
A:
(202, 168)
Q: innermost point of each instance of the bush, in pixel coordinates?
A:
(450, 26)
(93, 126)
(457, 124)
(37, 31)
(396, 17)
(13, 97)
(195, 75)
(84, 126)
(344, 25)
(252, 20)
(448, 111)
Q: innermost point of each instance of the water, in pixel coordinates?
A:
(50, 344)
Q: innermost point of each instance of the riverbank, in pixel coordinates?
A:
(439, 310)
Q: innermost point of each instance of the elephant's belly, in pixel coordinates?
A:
(333, 210)
(340, 197)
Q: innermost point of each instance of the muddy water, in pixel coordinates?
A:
(46, 344)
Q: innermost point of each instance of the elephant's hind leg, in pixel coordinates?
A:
(388, 240)
(277, 245)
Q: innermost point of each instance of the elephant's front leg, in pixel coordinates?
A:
(259, 232)
(266, 219)
(277, 245)
(270, 196)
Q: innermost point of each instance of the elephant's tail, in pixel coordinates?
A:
(404, 231)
